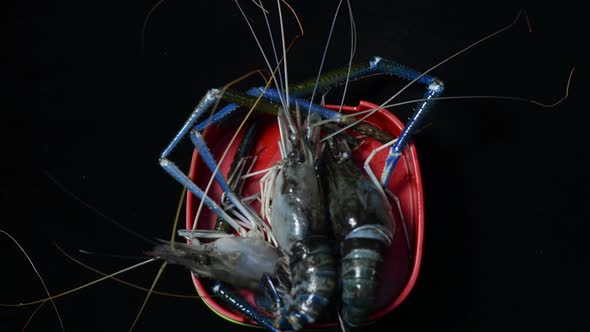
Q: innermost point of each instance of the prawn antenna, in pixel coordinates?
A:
(95, 210)
(145, 21)
(50, 298)
(124, 282)
(100, 254)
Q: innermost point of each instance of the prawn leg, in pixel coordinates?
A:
(205, 154)
(225, 292)
(271, 106)
(377, 65)
(204, 105)
(189, 129)
(228, 295)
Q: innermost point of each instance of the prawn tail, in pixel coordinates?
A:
(313, 272)
(362, 258)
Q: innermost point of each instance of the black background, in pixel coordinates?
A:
(506, 183)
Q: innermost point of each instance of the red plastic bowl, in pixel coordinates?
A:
(399, 272)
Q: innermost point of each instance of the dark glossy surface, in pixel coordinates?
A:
(507, 224)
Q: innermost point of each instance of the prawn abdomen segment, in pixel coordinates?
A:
(361, 265)
(314, 275)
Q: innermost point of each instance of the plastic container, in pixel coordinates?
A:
(402, 261)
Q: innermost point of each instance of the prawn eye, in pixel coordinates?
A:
(234, 257)
(295, 156)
